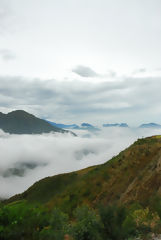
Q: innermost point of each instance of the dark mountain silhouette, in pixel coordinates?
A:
(21, 122)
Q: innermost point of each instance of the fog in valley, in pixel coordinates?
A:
(26, 159)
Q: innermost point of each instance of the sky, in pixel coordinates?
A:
(73, 61)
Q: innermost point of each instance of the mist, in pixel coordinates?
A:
(25, 159)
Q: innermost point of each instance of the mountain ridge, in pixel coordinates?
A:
(83, 126)
(115, 125)
(22, 122)
(150, 125)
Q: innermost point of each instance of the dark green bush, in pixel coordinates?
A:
(87, 225)
(58, 226)
(115, 221)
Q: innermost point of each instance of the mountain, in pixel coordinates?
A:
(150, 125)
(84, 126)
(132, 176)
(89, 127)
(61, 125)
(21, 122)
(115, 125)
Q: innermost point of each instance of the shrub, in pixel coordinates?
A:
(116, 224)
(58, 226)
(87, 225)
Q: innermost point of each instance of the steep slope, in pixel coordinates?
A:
(133, 175)
(21, 122)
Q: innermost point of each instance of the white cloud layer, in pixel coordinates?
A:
(39, 156)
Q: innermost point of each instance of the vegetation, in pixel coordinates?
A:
(132, 176)
(118, 200)
(21, 220)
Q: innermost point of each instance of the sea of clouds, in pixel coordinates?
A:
(25, 159)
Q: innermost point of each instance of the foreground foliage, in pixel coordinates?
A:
(23, 221)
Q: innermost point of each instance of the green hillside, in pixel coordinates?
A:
(133, 175)
(21, 122)
(118, 200)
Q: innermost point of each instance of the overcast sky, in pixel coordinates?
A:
(82, 60)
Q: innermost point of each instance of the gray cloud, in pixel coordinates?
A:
(7, 54)
(76, 101)
(85, 71)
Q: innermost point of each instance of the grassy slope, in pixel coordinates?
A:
(133, 175)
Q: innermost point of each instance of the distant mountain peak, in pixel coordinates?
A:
(22, 122)
(87, 125)
(20, 113)
(115, 125)
(83, 126)
(150, 125)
